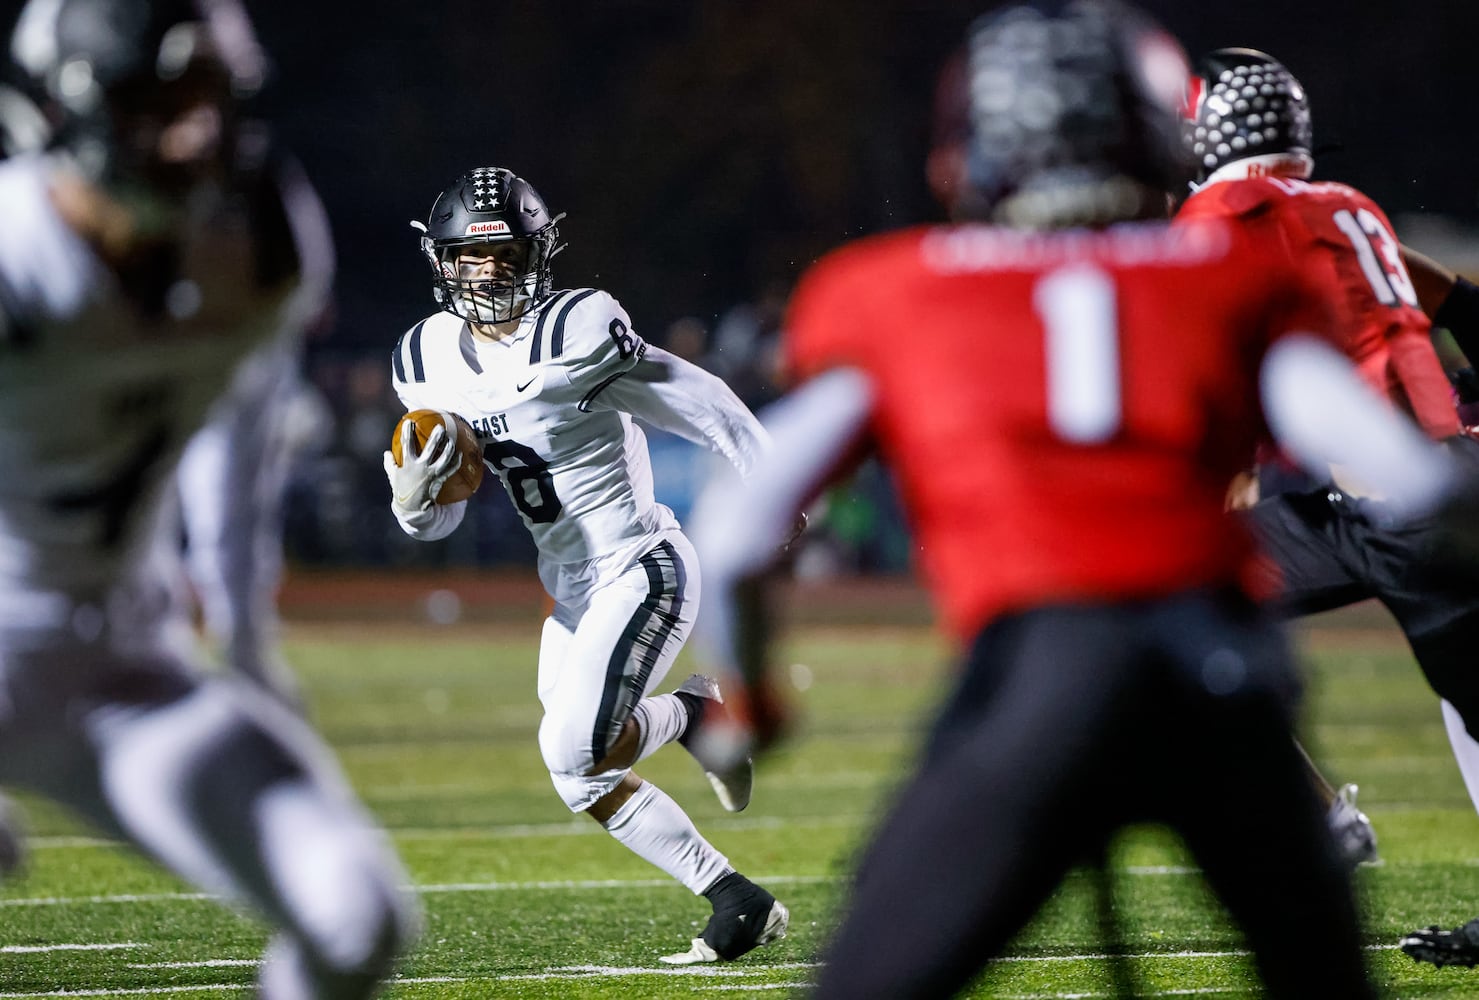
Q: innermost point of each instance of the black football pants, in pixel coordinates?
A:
(1333, 550)
(1068, 723)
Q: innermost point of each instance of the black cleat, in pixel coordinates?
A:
(1459, 946)
(745, 917)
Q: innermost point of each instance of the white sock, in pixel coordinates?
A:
(1465, 751)
(655, 828)
(660, 720)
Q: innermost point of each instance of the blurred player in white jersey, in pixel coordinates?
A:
(144, 254)
(550, 381)
(232, 477)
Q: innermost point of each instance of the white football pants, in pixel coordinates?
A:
(221, 784)
(597, 660)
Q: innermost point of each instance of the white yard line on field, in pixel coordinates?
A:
(617, 971)
(34, 949)
(217, 987)
(576, 885)
(605, 883)
(595, 972)
(573, 828)
(70, 843)
(214, 963)
(140, 992)
(756, 987)
(150, 897)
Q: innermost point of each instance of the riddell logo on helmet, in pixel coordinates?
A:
(478, 228)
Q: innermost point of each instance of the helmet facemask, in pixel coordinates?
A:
(496, 281)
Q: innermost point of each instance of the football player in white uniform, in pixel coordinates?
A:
(550, 381)
(143, 256)
(232, 477)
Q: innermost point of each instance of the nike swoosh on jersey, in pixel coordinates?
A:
(521, 388)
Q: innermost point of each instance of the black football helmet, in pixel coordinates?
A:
(1074, 113)
(491, 215)
(1244, 103)
(112, 75)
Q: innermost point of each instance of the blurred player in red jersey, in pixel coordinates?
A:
(1062, 397)
(1250, 136)
(945, 170)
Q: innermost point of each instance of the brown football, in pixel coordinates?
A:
(464, 482)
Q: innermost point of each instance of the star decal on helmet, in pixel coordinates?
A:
(489, 204)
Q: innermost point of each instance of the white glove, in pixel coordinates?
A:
(415, 484)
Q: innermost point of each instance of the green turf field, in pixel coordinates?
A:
(436, 728)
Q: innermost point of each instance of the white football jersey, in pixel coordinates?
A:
(552, 406)
(101, 385)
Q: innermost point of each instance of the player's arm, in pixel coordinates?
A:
(1415, 366)
(738, 530)
(1430, 279)
(1451, 301)
(1323, 415)
(681, 398)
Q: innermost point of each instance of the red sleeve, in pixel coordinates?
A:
(824, 320)
(1420, 379)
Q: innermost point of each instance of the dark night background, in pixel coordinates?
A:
(703, 149)
(706, 153)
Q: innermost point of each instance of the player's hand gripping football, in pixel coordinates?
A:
(415, 484)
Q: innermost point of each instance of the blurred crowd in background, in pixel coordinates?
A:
(705, 155)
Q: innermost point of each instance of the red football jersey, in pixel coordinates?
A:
(1062, 412)
(1344, 242)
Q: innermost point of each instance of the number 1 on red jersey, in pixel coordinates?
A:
(1077, 307)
